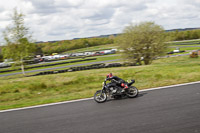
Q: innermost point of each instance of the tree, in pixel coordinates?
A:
(143, 41)
(195, 34)
(17, 40)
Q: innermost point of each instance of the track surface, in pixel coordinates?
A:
(169, 110)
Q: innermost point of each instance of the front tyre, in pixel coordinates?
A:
(132, 92)
(100, 97)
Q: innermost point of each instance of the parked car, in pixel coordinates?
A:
(97, 53)
(109, 51)
(4, 64)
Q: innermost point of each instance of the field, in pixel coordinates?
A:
(18, 91)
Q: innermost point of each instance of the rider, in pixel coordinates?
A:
(117, 80)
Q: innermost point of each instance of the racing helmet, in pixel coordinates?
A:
(109, 75)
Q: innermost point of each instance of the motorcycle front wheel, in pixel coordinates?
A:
(100, 96)
(132, 92)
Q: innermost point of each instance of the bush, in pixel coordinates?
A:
(194, 54)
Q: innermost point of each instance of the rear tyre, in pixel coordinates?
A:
(132, 92)
(100, 97)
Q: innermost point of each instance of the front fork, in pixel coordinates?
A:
(103, 89)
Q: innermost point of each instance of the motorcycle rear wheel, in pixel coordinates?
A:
(100, 97)
(132, 92)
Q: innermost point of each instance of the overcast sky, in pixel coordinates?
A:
(67, 19)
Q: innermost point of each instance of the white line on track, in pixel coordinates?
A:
(170, 86)
(72, 101)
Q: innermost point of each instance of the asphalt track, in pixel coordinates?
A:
(168, 110)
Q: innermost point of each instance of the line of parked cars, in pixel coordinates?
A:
(80, 54)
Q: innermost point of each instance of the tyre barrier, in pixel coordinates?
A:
(5, 66)
(129, 64)
(61, 71)
(81, 68)
(4, 71)
(113, 65)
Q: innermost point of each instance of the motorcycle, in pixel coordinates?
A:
(115, 91)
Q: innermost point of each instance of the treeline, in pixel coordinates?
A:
(66, 45)
(183, 35)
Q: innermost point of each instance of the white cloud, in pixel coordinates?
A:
(67, 19)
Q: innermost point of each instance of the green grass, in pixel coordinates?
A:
(186, 45)
(18, 91)
(191, 48)
(185, 41)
